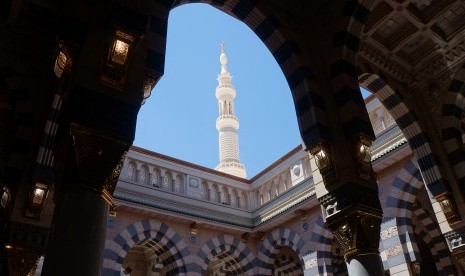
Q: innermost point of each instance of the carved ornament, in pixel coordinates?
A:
(357, 232)
(459, 255)
(87, 159)
(377, 57)
(389, 233)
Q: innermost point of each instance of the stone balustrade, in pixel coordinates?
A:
(162, 173)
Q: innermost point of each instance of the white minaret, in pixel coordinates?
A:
(227, 123)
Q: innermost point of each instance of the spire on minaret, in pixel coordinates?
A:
(223, 59)
(227, 123)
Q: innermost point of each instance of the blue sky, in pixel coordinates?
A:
(179, 118)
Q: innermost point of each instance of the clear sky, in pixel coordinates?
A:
(179, 118)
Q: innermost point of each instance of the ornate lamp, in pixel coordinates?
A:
(5, 198)
(149, 83)
(324, 162)
(36, 201)
(63, 60)
(363, 158)
(116, 63)
(448, 206)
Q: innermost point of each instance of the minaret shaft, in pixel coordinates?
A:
(227, 123)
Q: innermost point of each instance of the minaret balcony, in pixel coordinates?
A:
(227, 121)
(225, 91)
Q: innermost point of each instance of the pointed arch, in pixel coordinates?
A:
(401, 207)
(117, 248)
(407, 121)
(452, 131)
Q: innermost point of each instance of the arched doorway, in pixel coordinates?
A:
(150, 257)
(286, 263)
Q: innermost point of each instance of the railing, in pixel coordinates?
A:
(227, 117)
(192, 181)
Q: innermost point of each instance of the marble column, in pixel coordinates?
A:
(88, 164)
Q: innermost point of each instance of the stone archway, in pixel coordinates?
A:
(399, 233)
(277, 243)
(408, 123)
(164, 249)
(227, 255)
(452, 131)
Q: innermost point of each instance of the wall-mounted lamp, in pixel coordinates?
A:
(324, 162)
(112, 211)
(363, 158)
(301, 214)
(415, 266)
(5, 197)
(193, 228)
(36, 201)
(62, 61)
(149, 83)
(449, 208)
(115, 65)
(245, 237)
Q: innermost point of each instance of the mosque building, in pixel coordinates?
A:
(375, 188)
(173, 217)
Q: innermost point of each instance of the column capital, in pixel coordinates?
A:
(357, 233)
(90, 160)
(353, 214)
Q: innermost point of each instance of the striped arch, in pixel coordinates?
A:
(408, 123)
(236, 253)
(117, 249)
(429, 231)
(404, 188)
(401, 207)
(344, 71)
(451, 132)
(270, 247)
(309, 105)
(323, 239)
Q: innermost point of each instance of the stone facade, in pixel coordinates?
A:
(215, 223)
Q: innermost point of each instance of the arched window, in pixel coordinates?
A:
(242, 201)
(131, 171)
(388, 120)
(155, 179)
(225, 196)
(167, 181)
(204, 194)
(214, 193)
(143, 175)
(235, 198)
(177, 184)
(376, 122)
